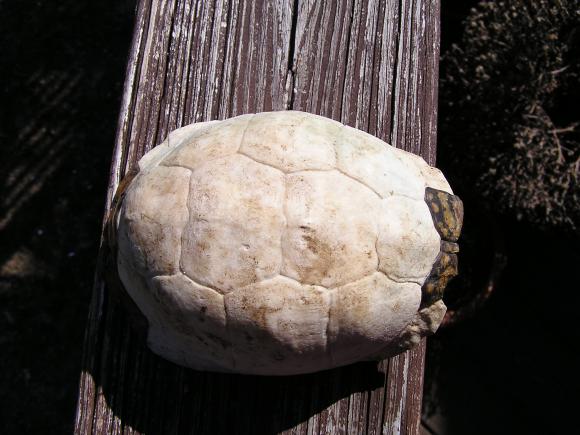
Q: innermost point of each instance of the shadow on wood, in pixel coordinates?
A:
(214, 403)
(246, 404)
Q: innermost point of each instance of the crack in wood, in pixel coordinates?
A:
(395, 89)
(290, 68)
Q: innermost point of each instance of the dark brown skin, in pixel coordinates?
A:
(136, 318)
(447, 213)
(111, 228)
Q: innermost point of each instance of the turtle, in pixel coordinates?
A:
(283, 243)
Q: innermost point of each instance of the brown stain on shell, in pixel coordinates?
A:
(323, 261)
(258, 312)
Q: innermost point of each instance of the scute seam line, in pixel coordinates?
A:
(359, 182)
(181, 239)
(297, 171)
(301, 283)
(208, 287)
(242, 153)
(244, 133)
(328, 348)
(340, 171)
(377, 251)
(285, 228)
(227, 332)
(206, 162)
(400, 280)
(175, 165)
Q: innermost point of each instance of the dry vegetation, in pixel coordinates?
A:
(511, 90)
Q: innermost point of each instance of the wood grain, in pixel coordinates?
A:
(370, 64)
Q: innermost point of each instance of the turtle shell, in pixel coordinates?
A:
(281, 243)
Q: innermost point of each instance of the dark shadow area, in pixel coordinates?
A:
(513, 369)
(452, 15)
(61, 75)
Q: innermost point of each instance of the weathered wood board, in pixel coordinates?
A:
(370, 64)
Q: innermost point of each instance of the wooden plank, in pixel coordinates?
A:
(370, 64)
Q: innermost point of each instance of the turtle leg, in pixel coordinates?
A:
(447, 214)
(137, 320)
(111, 222)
